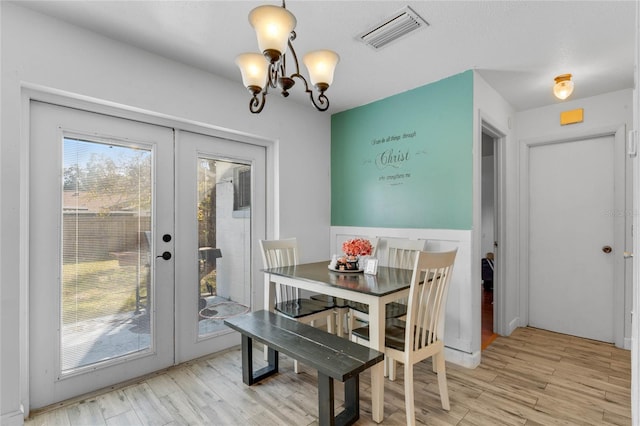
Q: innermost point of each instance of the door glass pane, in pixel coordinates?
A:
(224, 231)
(106, 276)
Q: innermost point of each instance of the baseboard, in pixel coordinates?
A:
(515, 323)
(464, 359)
(628, 343)
(14, 418)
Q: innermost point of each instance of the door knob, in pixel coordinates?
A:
(166, 255)
(607, 249)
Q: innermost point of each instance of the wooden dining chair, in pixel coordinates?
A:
(288, 301)
(421, 335)
(401, 253)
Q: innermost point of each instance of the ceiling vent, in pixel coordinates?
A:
(393, 28)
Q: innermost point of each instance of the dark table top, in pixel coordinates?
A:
(387, 280)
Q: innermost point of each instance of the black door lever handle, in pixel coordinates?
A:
(166, 255)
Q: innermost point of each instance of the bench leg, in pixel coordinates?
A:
(326, 402)
(248, 376)
(351, 411)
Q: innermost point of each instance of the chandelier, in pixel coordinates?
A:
(274, 29)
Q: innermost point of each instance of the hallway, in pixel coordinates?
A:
(488, 335)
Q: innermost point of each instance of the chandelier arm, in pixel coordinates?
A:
(272, 76)
(322, 103)
(293, 52)
(256, 105)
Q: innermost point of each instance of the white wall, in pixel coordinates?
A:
(231, 225)
(604, 112)
(37, 50)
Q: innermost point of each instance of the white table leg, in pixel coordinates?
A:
(269, 293)
(269, 298)
(376, 335)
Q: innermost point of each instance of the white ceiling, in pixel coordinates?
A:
(517, 46)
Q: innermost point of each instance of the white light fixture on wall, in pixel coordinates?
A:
(274, 27)
(563, 87)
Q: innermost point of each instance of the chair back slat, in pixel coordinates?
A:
(402, 253)
(374, 245)
(427, 299)
(277, 253)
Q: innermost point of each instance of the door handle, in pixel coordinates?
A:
(607, 249)
(166, 255)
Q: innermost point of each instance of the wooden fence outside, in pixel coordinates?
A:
(90, 237)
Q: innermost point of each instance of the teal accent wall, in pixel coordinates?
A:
(406, 161)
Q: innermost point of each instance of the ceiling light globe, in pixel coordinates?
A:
(563, 87)
(254, 68)
(273, 25)
(321, 65)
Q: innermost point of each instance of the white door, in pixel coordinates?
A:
(101, 302)
(572, 240)
(115, 290)
(221, 215)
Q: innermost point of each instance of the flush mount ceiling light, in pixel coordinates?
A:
(563, 87)
(274, 27)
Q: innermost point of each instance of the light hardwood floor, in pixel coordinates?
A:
(533, 377)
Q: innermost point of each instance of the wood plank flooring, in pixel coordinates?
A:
(487, 335)
(533, 377)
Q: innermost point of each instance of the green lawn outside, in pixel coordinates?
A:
(96, 289)
(101, 288)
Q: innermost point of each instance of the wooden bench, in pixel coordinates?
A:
(332, 356)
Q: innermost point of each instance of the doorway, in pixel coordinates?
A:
(129, 234)
(489, 209)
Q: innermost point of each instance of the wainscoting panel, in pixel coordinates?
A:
(462, 331)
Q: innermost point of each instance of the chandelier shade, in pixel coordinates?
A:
(274, 28)
(254, 68)
(563, 87)
(273, 25)
(321, 64)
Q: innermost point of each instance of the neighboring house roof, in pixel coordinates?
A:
(88, 202)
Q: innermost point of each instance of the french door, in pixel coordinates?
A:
(216, 221)
(140, 246)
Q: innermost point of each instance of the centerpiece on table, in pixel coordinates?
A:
(353, 249)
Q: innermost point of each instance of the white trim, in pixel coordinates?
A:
(462, 358)
(635, 293)
(24, 253)
(453, 235)
(13, 418)
(73, 100)
(33, 92)
(513, 324)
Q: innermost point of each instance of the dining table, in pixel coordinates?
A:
(387, 285)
